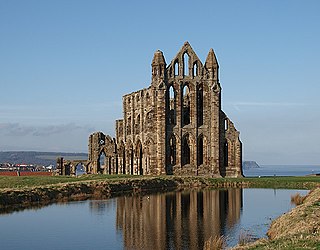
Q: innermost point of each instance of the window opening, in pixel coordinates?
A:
(176, 68)
(185, 150)
(200, 150)
(186, 64)
(195, 69)
(172, 106)
(200, 106)
(186, 106)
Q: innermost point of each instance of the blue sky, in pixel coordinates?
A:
(65, 65)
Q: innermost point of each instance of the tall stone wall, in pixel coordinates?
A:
(175, 126)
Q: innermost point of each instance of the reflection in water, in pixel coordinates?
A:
(100, 207)
(177, 220)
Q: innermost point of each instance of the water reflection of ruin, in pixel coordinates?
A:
(177, 220)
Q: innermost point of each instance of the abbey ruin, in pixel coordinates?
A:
(175, 126)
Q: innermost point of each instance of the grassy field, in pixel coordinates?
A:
(303, 182)
(21, 182)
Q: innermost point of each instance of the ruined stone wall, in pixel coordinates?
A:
(176, 125)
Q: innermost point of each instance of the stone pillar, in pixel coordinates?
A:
(161, 126)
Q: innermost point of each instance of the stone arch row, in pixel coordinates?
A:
(186, 63)
(187, 150)
(135, 126)
(130, 158)
(190, 99)
(144, 95)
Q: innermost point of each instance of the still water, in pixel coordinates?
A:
(173, 220)
(283, 170)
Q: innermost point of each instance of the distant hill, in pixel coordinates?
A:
(37, 158)
(250, 164)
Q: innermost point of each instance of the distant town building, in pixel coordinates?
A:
(175, 126)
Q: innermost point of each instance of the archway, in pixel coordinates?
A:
(101, 162)
(200, 150)
(200, 106)
(171, 106)
(185, 105)
(185, 154)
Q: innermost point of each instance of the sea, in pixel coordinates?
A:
(282, 170)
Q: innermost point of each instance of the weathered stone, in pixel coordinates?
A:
(175, 126)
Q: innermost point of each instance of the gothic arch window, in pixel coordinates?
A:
(102, 161)
(200, 106)
(176, 68)
(185, 64)
(195, 69)
(185, 154)
(171, 106)
(200, 151)
(172, 150)
(185, 105)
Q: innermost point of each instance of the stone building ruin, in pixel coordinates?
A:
(175, 126)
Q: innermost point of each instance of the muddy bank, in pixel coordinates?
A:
(15, 199)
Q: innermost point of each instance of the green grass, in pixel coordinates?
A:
(33, 181)
(303, 182)
(298, 182)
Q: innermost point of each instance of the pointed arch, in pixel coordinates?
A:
(176, 68)
(185, 105)
(200, 150)
(102, 161)
(195, 69)
(171, 105)
(199, 105)
(186, 58)
(185, 150)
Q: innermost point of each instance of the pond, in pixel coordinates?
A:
(173, 220)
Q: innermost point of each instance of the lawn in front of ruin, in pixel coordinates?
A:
(299, 182)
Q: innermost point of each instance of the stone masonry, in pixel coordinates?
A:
(175, 126)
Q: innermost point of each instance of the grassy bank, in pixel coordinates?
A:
(24, 191)
(303, 182)
(297, 229)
